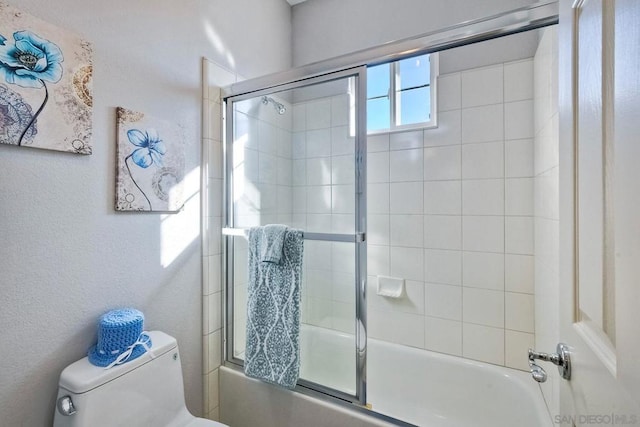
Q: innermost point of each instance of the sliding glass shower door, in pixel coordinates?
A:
(295, 155)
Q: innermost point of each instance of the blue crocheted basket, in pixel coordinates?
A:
(117, 331)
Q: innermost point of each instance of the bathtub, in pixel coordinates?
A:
(432, 389)
(415, 386)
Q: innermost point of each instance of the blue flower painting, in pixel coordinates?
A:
(29, 63)
(150, 163)
(45, 78)
(151, 149)
(31, 60)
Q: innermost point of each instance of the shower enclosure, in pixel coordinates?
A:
(297, 152)
(267, 183)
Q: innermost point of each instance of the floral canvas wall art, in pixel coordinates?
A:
(45, 84)
(150, 163)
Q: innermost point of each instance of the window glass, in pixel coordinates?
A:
(414, 106)
(378, 114)
(378, 81)
(399, 94)
(413, 72)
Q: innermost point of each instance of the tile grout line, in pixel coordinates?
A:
(504, 207)
(462, 327)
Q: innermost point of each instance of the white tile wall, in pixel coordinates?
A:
(518, 155)
(406, 198)
(378, 167)
(448, 130)
(378, 229)
(214, 78)
(517, 343)
(483, 270)
(443, 301)
(518, 80)
(377, 143)
(483, 233)
(464, 212)
(406, 165)
(482, 86)
(405, 140)
(519, 312)
(483, 197)
(442, 163)
(443, 232)
(397, 327)
(519, 196)
(519, 273)
(546, 205)
(483, 160)
(443, 335)
(483, 124)
(443, 266)
(483, 343)
(519, 235)
(483, 307)
(406, 230)
(442, 197)
(449, 92)
(517, 119)
(406, 263)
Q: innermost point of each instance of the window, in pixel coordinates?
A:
(400, 94)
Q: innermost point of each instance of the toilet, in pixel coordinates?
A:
(146, 391)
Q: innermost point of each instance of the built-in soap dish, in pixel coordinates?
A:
(390, 287)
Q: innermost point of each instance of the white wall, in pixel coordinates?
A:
(326, 28)
(66, 255)
(547, 202)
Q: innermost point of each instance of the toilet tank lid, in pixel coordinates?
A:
(82, 376)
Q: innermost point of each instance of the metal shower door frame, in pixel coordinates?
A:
(533, 16)
(358, 238)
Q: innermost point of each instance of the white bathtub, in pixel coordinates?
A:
(425, 388)
(420, 387)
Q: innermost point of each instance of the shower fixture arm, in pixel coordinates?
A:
(280, 108)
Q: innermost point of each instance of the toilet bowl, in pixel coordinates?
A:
(147, 391)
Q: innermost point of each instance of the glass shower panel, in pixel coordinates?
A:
(262, 161)
(328, 315)
(240, 279)
(294, 163)
(293, 158)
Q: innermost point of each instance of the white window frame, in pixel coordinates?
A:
(394, 102)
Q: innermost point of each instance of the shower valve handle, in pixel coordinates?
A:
(560, 358)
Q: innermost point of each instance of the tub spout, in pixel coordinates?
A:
(538, 373)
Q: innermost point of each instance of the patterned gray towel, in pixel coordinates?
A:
(273, 306)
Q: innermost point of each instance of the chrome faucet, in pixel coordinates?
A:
(560, 358)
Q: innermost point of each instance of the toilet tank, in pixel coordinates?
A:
(147, 391)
